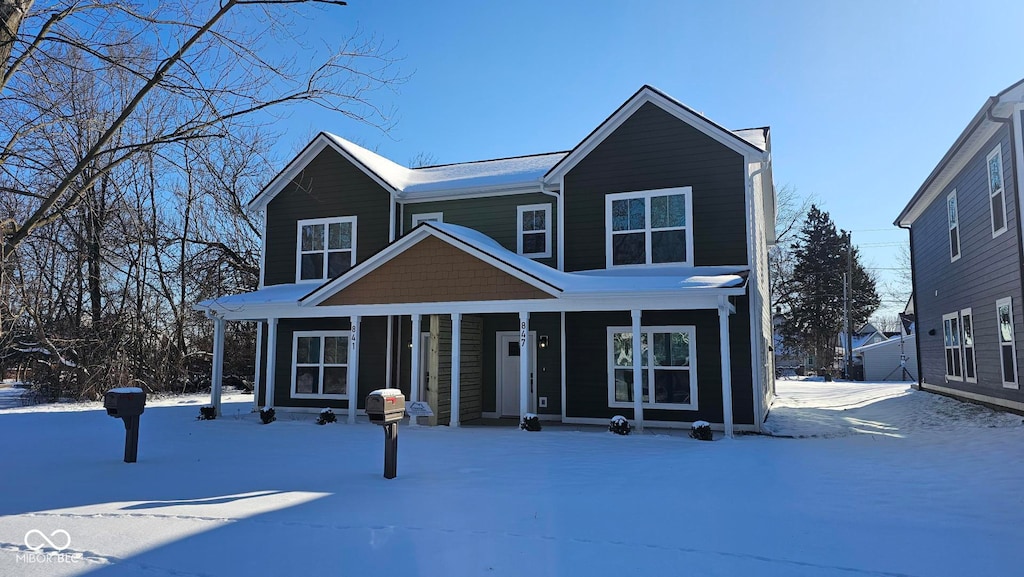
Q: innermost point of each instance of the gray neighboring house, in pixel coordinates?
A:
(966, 247)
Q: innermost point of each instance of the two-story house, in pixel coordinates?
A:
(496, 288)
(965, 244)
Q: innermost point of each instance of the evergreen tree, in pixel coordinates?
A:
(816, 315)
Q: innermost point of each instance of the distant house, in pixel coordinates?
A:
(966, 243)
(496, 288)
(892, 359)
(866, 334)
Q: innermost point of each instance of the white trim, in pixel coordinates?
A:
(1007, 384)
(561, 225)
(964, 346)
(467, 193)
(217, 370)
(263, 251)
(320, 384)
(951, 226)
(636, 346)
(326, 251)
(525, 354)
(609, 233)
(1015, 405)
(996, 153)
(689, 330)
(389, 343)
(414, 360)
(946, 347)
(1018, 138)
(456, 370)
(352, 384)
(546, 209)
(259, 365)
(425, 217)
(268, 401)
(724, 310)
(561, 352)
(392, 209)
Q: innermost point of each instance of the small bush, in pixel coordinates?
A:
(530, 422)
(701, 430)
(207, 413)
(267, 415)
(619, 425)
(326, 416)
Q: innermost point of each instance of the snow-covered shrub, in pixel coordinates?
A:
(326, 416)
(701, 430)
(531, 422)
(207, 413)
(267, 415)
(619, 425)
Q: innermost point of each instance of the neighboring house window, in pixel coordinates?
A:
(534, 225)
(650, 227)
(951, 338)
(997, 198)
(427, 217)
(967, 326)
(954, 226)
(673, 370)
(326, 248)
(1007, 354)
(320, 364)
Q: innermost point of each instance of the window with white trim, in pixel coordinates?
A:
(649, 227)
(533, 223)
(951, 343)
(667, 359)
(996, 194)
(320, 364)
(326, 247)
(953, 217)
(1007, 348)
(427, 217)
(967, 327)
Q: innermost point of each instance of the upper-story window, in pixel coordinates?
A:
(649, 227)
(326, 248)
(954, 226)
(533, 223)
(997, 197)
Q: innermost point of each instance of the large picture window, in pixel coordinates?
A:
(951, 342)
(320, 365)
(1007, 352)
(326, 247)
(997, 197)
(953, 217)
(533, 222)
(667, 360)
(650, 227)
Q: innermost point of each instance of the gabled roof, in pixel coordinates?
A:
(982, 127)
(747, 142)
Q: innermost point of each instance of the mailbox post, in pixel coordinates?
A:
(387, 407)
(127, 404)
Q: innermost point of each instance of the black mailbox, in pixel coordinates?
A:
(127, 404)
(385, 406)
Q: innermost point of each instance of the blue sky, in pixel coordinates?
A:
(863, 97)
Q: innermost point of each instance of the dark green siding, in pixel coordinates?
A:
(329, 186)
(587, 364)
(494, 216)
(372, 355)
(549, 360)
(654, 150)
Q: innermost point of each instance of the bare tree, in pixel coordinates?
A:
(791, 208)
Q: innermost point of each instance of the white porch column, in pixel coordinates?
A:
(638, 373)
(414, 364)
(456, 367)
(723, 330)
(524, 364)
(217, 374)
(390, 352)
(353, 369)
(271, 361)
(259, 366)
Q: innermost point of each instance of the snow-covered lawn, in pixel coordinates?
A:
(892, 482)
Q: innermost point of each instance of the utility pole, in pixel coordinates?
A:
(848, 298)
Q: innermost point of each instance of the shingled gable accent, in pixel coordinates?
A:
(434, 271)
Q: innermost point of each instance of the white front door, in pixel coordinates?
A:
(508, 373)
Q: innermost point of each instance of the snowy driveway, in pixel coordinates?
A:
(931, 488)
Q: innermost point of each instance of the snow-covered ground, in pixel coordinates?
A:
(890, 482)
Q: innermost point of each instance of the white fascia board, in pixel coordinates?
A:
(299, 163)
(647, 94)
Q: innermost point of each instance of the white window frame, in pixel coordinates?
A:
(650, 331)
(687, 193)
(998, 154)
(953, 225)
(427, 217)
(955, 348)
(546, 209)
(320, 386)
(967, 326)
(325, 222)
(1012, 382)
